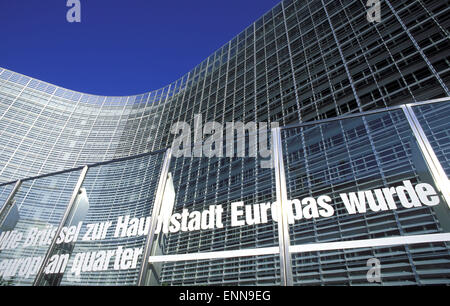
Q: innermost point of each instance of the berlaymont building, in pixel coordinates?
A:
(311, 149)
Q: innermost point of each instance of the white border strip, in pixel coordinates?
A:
(327, 246)
(376, 242)
(215, 255)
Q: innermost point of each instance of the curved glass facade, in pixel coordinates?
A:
(301, 61)
(346, 94)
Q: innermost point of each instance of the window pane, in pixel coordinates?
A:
(356, 179)
(251, 271)
(5, 190)
(33, 216)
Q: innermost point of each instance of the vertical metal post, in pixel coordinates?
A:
(283, 227)
(40, 273)
(6, 207)
(154, 217)
(436, 169)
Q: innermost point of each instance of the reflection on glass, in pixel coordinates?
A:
(102, 242)
(220, 204)
(5, 191)
(33, 216)
(63, 250)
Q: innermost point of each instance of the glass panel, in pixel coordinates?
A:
(33, 216)
(205, 202)
(5, 190)
(251, 271)
(218, 204)
(434, 119)
(206, 191)
(111, 219)
(360, 178)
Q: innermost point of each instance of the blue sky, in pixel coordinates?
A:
(121, 47)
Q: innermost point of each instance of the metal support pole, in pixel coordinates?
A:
(283, 227)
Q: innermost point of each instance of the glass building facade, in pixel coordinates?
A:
(361, 107)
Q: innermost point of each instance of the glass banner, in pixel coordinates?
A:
(363, 181)
(103, 239)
